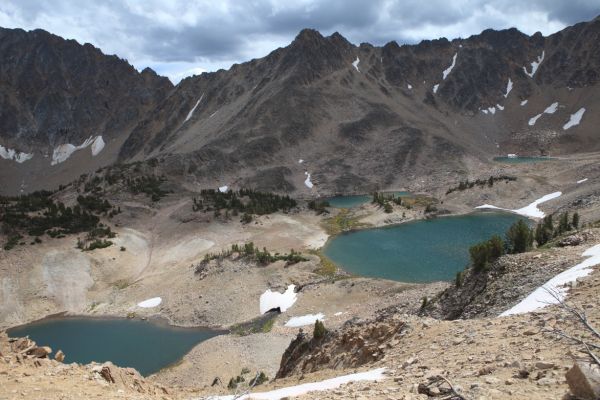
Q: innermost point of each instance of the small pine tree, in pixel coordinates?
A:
(319, 331)
(519, 237)
(575, 221)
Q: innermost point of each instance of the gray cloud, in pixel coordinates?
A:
(180, 37)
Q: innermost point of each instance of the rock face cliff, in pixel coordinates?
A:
(359, 117)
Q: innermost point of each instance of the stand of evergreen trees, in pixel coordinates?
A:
(319, 206)
(252, 253)
(546, 231)
(520, 238)
(245, 201)
(463, 185)
(36, 214)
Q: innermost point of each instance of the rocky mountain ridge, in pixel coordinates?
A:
(321, 100)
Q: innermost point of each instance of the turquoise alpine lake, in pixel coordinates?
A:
(418, 251)
(143, 345)
(521, 160)
(357, 200)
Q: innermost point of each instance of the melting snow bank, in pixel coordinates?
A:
(551, 109)
(193, 109)
(355, 63)
(18, 156)
(293, 391)
(271, 300)
(307, 182)
(554, 291)
(582, 180)
(153, 302)
(509, 87)
(63, 152)
(304, 320)
(535, 65)
(449, 69)
(530, 210)
(575, 119)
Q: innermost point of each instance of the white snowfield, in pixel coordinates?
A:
(153, 302)
(304, 320)
(307, 181)
(554, 291)
(223, 189)
(551, 109)
(270, 300)
(298, 390)
(355, 63)
(582, 180)
(530, 210)
(436, 87)
(509, 87)
(535, 65)
(18, 156)
(449, 69)
(575, 119)
(97, 145)
(193, 109)
(64, 151)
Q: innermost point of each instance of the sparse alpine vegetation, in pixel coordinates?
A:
(38, 214)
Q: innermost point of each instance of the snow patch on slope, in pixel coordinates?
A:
(150, 303)
(449, 69)
(575, 119)
(193, 109)
(535, 65)
(554, 291)
(223, 189)
(582, 180)
(524, 102)
(64, 151)
(435, 88)
(270, 300)
(298, 390)
(530, 210)
(304, 320)
(355, 63)
(97, 145)
(551, 109)
(18, 156)
(307, 181)
(509, 87)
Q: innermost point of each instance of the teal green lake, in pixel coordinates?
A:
(418, 251)
(521, 160)
(357, 200)
(143, 345)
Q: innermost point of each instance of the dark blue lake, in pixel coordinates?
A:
(143, 345)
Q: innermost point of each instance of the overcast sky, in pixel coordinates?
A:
(178, 38)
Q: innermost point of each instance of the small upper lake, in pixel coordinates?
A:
(418, 251)
(521, 160)
(143, 345)
(358, 199)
